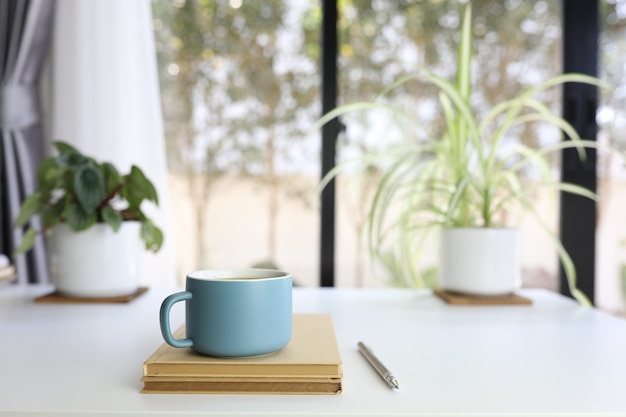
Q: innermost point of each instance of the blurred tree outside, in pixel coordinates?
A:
(236, 99)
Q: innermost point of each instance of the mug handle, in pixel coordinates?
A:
(164, 318)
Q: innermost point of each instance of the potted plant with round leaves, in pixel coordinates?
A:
(457, 180)
(95, 223)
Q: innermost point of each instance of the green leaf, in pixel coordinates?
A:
(28, 240)
(71, 160)
(78, 219)
(31, 206)
(112, 177)
(112, 218)
(65, 147)
(89, 187)
(151, 235)
(70, 157)
(581, 298)
(464, 54)
(138, 188)
(54, 214)
(49, 173)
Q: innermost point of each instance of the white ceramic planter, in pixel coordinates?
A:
(97, 262)
(480, 261)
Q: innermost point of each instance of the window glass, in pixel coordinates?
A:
(240, 92)
(611, 118)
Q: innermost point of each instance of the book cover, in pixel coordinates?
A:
(226, 385)
(312, 352)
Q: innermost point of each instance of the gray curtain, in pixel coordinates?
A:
(25, 27)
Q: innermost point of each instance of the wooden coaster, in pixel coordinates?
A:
(462, 299)
(56, 297)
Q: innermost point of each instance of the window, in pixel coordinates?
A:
(240, 83)
(240, 91)
(611, 118)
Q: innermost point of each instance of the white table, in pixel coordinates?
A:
(553, 357)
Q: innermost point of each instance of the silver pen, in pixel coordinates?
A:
(378, 366)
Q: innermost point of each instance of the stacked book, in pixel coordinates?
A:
(309, 364)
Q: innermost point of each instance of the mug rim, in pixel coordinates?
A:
(238, 274)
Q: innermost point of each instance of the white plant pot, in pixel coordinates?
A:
(97, 262)
(480, 261)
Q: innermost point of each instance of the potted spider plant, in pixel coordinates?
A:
(458, 180)
(95, 223)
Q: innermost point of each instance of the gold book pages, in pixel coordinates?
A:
(230, 385)
(236, 379)
(323, 386)
(312, 352)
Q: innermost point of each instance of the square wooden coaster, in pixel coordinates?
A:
(56, 297)
(462, 299)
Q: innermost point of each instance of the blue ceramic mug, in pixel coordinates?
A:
(233, 312)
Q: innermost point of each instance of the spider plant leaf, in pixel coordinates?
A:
(383, 195)
(464, 54)
(456, 197)
(362, 106)
(566, 260)
(538, 156)
(461, 104)
(401, 81)
(530, 159)
(571, 77)
(573, 189)
(454, 134)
